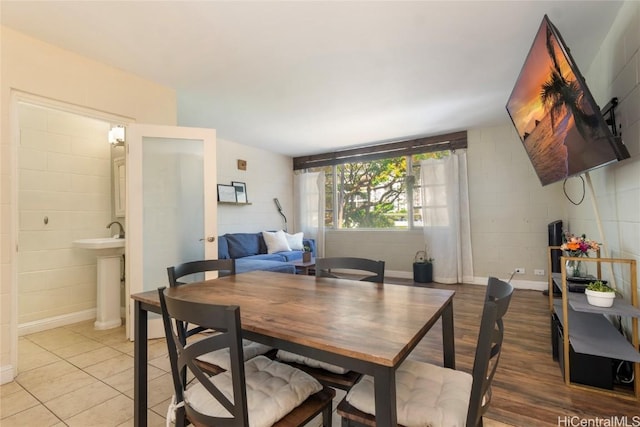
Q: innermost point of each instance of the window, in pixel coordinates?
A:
(375, 194)
(380, 186)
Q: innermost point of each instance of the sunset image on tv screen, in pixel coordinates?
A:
(554, 114)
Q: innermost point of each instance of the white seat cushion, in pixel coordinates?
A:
(273, 390)
(426, 395)
(221, 357)
(287, 356)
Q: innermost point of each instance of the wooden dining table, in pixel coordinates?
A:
(362, 326)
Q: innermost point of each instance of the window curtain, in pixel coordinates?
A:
(308, 195)
(445, 213)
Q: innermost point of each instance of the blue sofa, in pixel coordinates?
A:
(250, 252)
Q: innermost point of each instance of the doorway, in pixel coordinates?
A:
(64, 192)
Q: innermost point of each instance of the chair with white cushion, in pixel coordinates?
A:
(259, 392)
(218, 361)
(435, 396)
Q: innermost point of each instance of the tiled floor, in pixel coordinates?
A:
(77, 376)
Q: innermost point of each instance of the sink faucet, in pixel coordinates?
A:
(121, 233)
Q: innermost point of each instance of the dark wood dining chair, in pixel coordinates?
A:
(328, 374)
(224, 267)
(448, 397)
(214, 362)
(325, 267)
(260, 389)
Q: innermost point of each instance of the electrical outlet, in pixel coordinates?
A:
(538, 272)
(520, 270)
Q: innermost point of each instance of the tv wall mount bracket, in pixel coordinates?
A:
(609, 114)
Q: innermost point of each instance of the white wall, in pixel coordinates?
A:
(509, 208)
(268, 175)
(615, 72)
(34, 67)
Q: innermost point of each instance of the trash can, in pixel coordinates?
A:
(423, 272)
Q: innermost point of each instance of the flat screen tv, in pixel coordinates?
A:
(555, 115)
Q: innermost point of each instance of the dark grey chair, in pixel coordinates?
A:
(325, 268)
(196, 270)
(467, 396)
(214, 362)
(225, 267)
(261, 389)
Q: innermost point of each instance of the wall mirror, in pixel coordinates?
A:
(119, 195)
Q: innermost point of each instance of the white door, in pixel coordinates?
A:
(171, 206)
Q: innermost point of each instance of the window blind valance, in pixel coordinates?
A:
(450, 141)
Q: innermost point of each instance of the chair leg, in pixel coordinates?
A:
(327, 416)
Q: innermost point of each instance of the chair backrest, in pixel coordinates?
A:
(224, 266)
(324, 267)
(497, 299)
(225, 320)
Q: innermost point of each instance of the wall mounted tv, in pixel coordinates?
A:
(557, 119)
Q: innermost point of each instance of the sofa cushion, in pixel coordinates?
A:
(223, 248)
(275, 241)
(290, 255)
(295, 241)
(243, 244)
(268, 257)
(245, 265)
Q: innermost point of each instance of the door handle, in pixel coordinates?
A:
(209, 239)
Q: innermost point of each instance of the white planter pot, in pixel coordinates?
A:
(600, 299)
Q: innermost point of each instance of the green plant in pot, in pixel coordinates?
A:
(306, 255)
(600, 294)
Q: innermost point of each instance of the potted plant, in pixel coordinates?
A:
(422, 268)
(599, 294)
(306, 255)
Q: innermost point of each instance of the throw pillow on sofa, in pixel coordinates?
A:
(275, 241)
(295, 241)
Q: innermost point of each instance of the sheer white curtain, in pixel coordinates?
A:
(308, 199)
(445, 213)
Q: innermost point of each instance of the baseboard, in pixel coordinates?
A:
(55, 322)
(517, 284)
(7, 374)
(531, 285)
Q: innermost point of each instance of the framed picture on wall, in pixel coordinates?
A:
(226, 193)
(241, 191)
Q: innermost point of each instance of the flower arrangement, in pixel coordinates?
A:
(578, 245)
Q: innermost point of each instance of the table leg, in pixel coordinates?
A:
(140, 366)
(385, 393)
(448, 344)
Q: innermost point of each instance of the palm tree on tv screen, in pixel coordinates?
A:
(559, 93)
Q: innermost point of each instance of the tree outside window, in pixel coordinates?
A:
(375, 194)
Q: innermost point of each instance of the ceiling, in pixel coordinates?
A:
(309, 77)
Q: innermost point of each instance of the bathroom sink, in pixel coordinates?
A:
(108, 251)
(99, 243)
